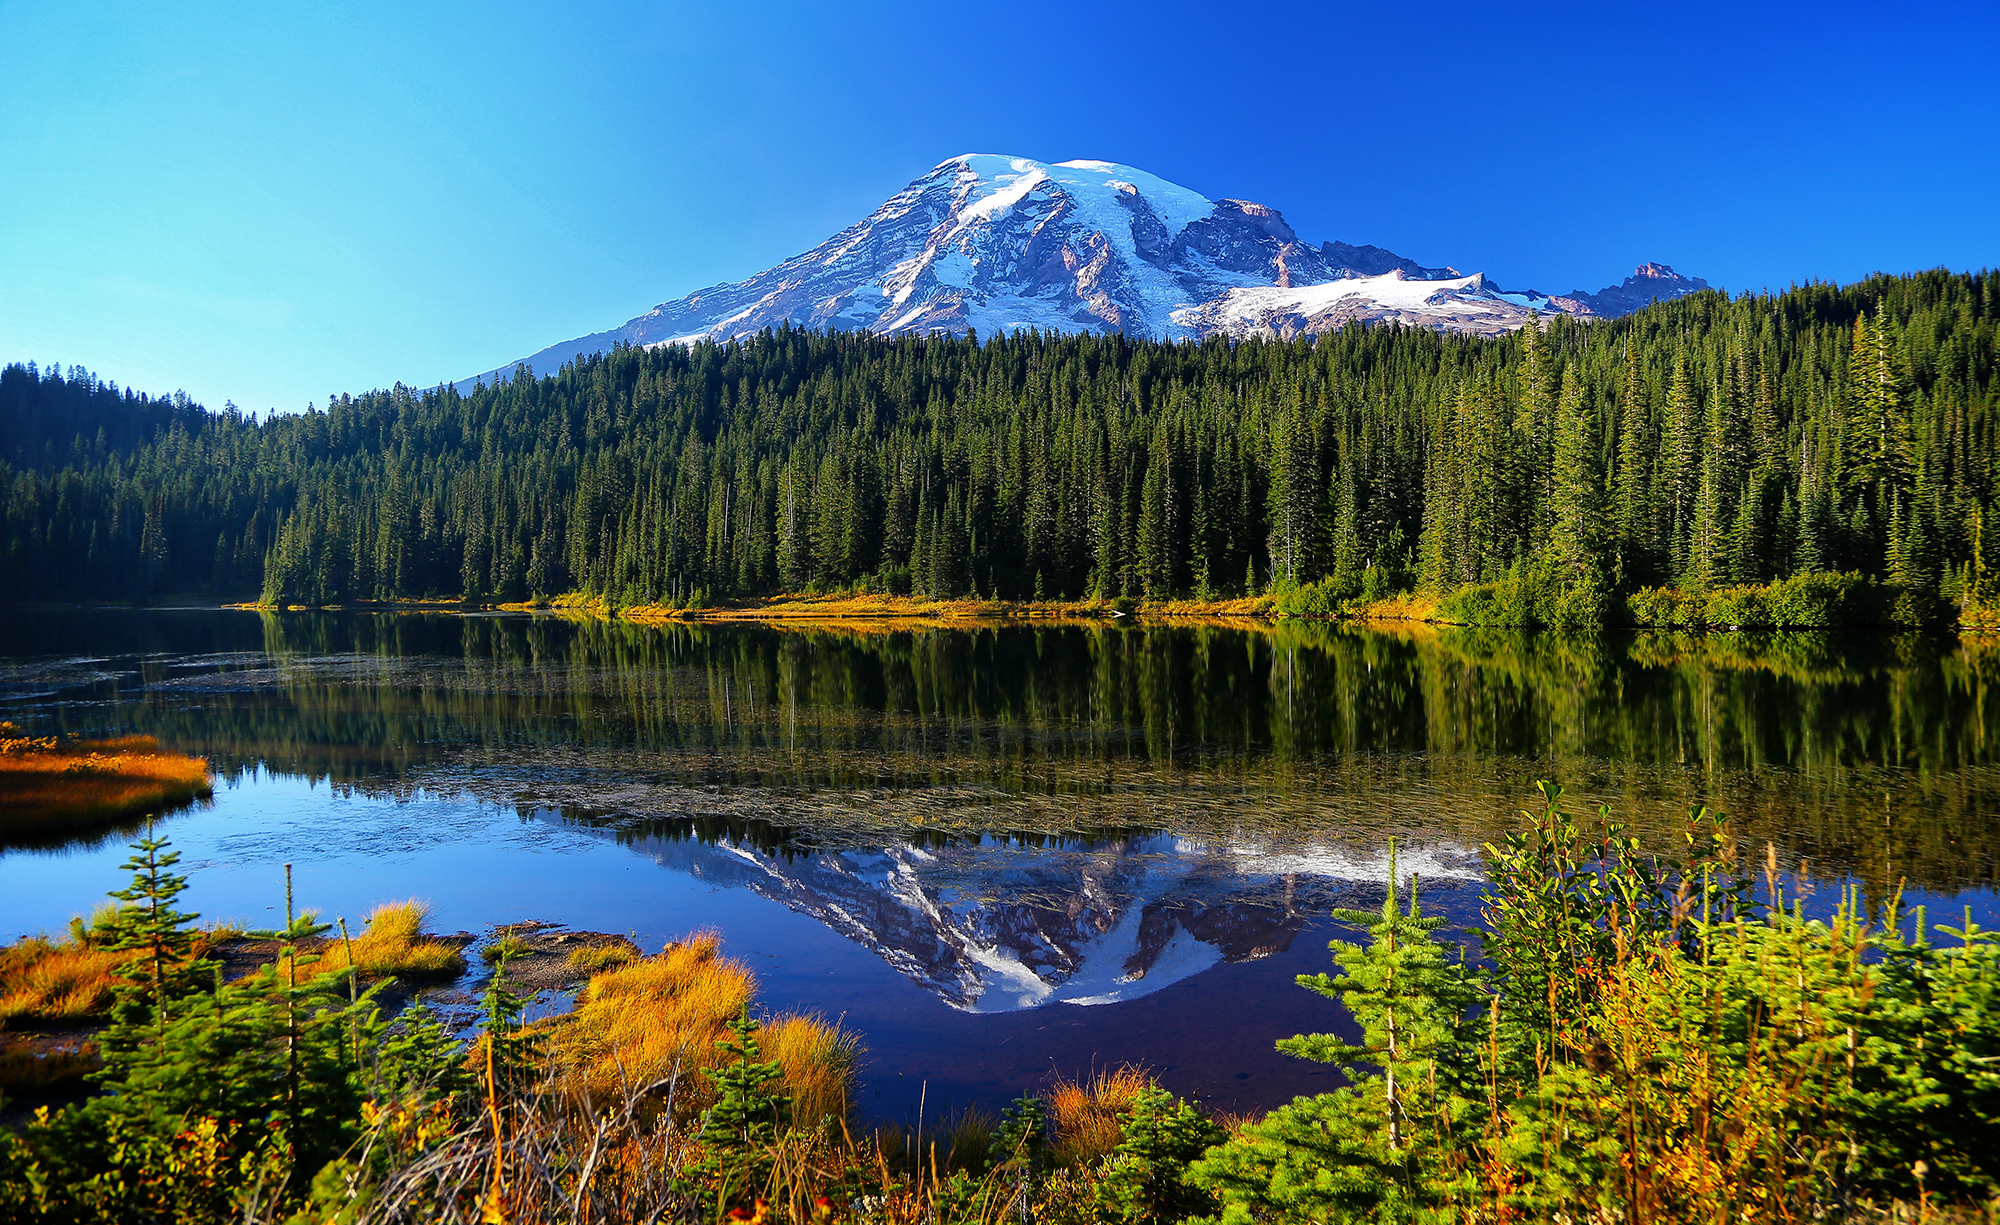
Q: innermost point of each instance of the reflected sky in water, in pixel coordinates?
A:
(996, 852)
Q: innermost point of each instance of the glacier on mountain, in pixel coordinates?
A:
(994, 243)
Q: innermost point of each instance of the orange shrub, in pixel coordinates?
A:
(1084, 1116)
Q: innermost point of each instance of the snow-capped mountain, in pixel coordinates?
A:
(993, 926)
(998, 243)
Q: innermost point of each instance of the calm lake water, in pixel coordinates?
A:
(999, 853)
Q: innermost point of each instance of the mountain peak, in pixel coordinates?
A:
(996, 243)
(1650, 282)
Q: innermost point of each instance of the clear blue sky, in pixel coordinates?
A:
(267, 203)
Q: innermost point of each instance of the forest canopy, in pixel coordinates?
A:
(1698, 445)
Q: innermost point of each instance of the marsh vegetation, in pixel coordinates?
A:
(56, 786)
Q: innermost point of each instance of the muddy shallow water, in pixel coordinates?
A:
(998, 853)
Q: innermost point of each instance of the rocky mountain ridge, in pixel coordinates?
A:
(991, 243)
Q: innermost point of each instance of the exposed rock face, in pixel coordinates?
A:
(990, 242)
(1650, 283)
(1374, 261)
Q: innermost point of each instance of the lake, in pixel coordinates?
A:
(999, 852)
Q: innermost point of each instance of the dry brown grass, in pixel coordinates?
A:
(22, 1067)
(394, 942)
(1084, 1115)
(54, 983)
(47, 781)
(640, 1022)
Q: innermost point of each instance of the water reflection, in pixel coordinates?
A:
(1862, 754)
(1000, 924)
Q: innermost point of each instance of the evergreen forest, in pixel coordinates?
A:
(1581, 472)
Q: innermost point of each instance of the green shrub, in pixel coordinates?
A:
(1805, 601)
(1663, 606)
(1476, 604)
(1531, 593)
(1737, 606)
(1820, 598)
(1322, 599)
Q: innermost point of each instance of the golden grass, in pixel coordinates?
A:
(868, 606)
(1084, 1115)
(633, 1024)
(636, 1023)
(46, 781)
(394, 942)
(1235, 606)
(597, 958)
(819, 1061)
(900, 612)
(506, 946)
(46, 982)
(967, 1137)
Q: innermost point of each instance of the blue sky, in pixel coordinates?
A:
(265, 204)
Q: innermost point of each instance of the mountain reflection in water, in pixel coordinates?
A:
(934, 832)
(991, 925)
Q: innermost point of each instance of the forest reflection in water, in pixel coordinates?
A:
(1863, 754)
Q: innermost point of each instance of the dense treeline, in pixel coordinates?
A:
(1699, 444)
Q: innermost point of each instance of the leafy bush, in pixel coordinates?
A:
(1665, 607)
(1532, 593)
(1325, 598)
(1773, 1068)
(1818, 600)
(1737, 607)
(1475, 604)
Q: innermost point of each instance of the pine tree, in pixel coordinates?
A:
(1381, 1151)
(1678, 477)
(1634, 488)
(750, 1110)
(163, 968)
(1576, 488)
(1410, 1002)
(1158, 520)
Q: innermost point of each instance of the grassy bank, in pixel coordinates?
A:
(47, 784)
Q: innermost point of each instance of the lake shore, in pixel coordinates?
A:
(853, 606)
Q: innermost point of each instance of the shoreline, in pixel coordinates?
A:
(851, 608)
